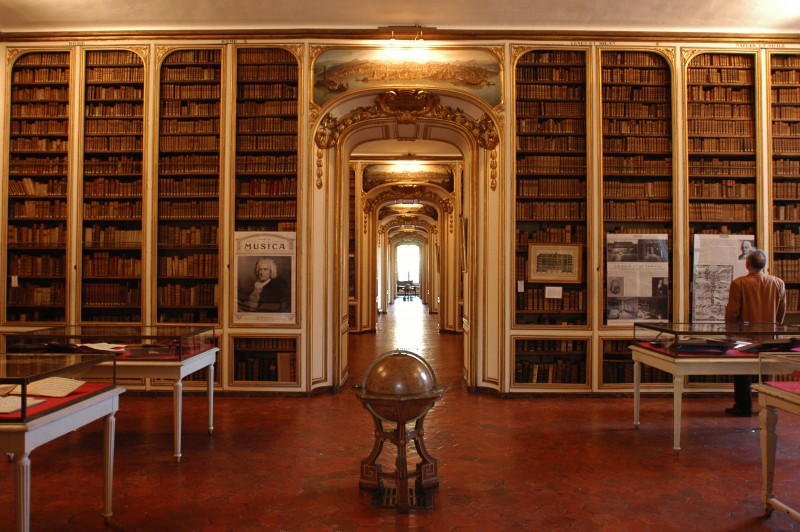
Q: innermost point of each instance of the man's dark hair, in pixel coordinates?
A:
(757, 259)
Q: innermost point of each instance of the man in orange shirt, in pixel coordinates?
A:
(757, 297)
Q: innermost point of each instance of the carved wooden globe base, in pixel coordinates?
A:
(399, 388)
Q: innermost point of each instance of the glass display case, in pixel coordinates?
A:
(780, 370)
(710, 338)
(35, 384)
(135, 342)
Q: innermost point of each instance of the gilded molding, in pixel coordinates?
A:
(320, 160)
(12, 54)
(162, 51)
(406, 106)
(493, 169)
(668, 52)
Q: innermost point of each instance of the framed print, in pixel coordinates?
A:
(554, 263)
(264, 266)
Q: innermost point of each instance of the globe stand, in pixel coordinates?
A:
(426, 472)
(399, 388)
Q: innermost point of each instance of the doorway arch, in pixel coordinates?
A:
(461, 122)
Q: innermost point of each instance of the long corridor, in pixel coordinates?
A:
(551, 462)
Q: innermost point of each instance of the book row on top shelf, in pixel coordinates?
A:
(113, 142)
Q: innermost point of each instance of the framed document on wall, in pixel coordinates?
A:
(264, 277)
(554, 263)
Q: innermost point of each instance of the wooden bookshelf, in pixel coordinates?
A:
(551, 362)
(113, 170)
(785, 106)
(721, 144)
(617, 366)
(266, 139)
(637, 149)
(551, 178)
(38, 182)
(189, 173)
(264, 361)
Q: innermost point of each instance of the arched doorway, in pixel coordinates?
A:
(367, 218)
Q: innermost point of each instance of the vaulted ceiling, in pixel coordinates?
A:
(727, 16)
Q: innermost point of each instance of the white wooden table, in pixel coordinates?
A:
(20, 439)
(167, 369)
(681, 366)
(772, 399)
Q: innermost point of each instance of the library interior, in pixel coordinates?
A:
(247, 249)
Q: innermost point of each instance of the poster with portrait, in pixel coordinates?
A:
(264, 273)
(718, 260)
(637, 278)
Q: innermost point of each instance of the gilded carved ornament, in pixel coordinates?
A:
(408, 192)
(406, 106)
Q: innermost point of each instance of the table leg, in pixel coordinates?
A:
(637, 383)
(677, 397)
(211, 399)
(109, 432)
(769, 419)
(177, 399)
(22, 472)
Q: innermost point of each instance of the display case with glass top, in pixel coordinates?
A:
(135, 342)
(35, 384)
(716, 338)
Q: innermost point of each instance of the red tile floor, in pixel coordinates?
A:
(535, 463)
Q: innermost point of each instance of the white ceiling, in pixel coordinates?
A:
(726, 16)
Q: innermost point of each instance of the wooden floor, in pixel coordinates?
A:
(535, 463)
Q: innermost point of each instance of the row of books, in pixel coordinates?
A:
(266, 343)
(116, 110)
(100, 58)
(40, 75)
(638, 93)
(266, 124)
(720, 110)
(269, 108)
(722, 167)
(575, 109)
(714, 75)
(612, 74)
(112, 144)
(553, 187)
(552, 210)
(105, 187)
(126, 210)
(264, 55)
(704, 126)
(132, 125)
(266, 163)
(780, 145)
(636, 110)
(786, 95)
(633, 189)
(566, 234)
(556, 143)
(621, 372)
(177, 295)
(49, 235)
(640, 59)
(281, 186)
(48, 59)
(787, 239)
(196, 265)
(98, 235)
(193, 56)
(196, 186)
(637, 126)
(736, 212)
(558, 372)
(115, 74)
(787, 269)
(724, 60)
(180, 315)
(280, 367)
(638, 144)
(38, 209)
(188, 143)
(204, 209)
(558, 57)
(111, 295)
(645, 210)
(266, 209)
(36, 265)
(105, 264)
(39, 110)
(52, 294)
(538, 126)
(550, 92)
(20, 126)
(561, 74)
(710, 94)
(266, 142)
(22, 144)
(785, 128)
(726, 188)
(189, 109)
(32, 94)
(540, 346)
(194, 235)
(736, 145)
(573, 299)
(271, 72)
(264, 91)
(190, 73)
